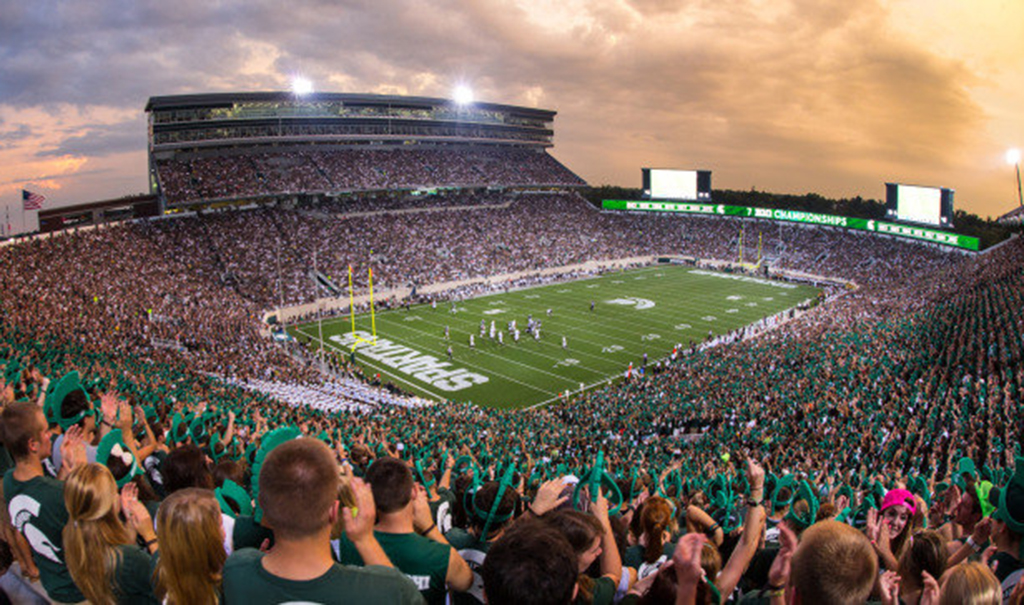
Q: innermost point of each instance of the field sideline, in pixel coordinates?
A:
(640, 311)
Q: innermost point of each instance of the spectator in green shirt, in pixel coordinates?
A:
(407, 533)
(36, 501)
(299, 496)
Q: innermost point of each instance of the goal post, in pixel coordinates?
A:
(356, 339)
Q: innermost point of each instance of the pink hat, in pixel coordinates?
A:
(900, 497)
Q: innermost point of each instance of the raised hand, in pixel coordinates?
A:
(755, 478)
(686, 559)
(548, 497)
(882, 542)
(778, 575)
(421, 518)
(755, 473)
(930, 594)
(136, 512)
(889, 588)
(72, 449)
(359, 524)
(873, 526)
(982, 531)
(124, 416)
(600, 508)
(986, 558)
(109, 403)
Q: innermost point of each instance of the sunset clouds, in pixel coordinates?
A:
(782, 95)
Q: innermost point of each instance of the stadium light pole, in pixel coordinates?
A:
(1013, 157)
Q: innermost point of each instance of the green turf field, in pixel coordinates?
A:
(646, 310)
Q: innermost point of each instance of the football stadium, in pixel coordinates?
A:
(408, 310)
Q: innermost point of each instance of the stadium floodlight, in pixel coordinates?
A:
(462, 95)
(301, 86)
(1013, 157)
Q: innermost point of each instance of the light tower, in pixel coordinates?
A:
(1013, 157)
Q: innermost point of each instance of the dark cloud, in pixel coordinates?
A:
(111, 53)
(100, 140)
(9, 138)
(57, 177)
(757, 90)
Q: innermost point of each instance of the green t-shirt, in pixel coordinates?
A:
(37, 511)
(757, 597)
(247, 583)
(603, 593)
(247, 533)
(6, 462)
(441, 509)
(474, 552)
(422, 560)
(133, 584)
(634, 557)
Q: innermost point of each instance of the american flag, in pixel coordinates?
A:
(31, 201)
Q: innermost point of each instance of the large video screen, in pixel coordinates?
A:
(920, 205)
(669, 184)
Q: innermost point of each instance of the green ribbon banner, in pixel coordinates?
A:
(799, 216)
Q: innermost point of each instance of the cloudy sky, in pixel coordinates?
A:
(829, 96)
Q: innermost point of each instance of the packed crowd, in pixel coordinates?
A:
(203, 281)
(868, 450)
(387, 202)
(340, 170)
(103, 504)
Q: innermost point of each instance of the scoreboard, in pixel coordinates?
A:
(683, 185)
(931, 206)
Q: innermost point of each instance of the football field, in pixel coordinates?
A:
(647, 310)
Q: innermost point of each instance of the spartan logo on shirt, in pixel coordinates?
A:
(475, 559)
(647, 569)
(443, 518)
(24, 509)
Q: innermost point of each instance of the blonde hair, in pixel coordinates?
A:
(93, 531)
(192, 555)
(711, 563)
(971, 584)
